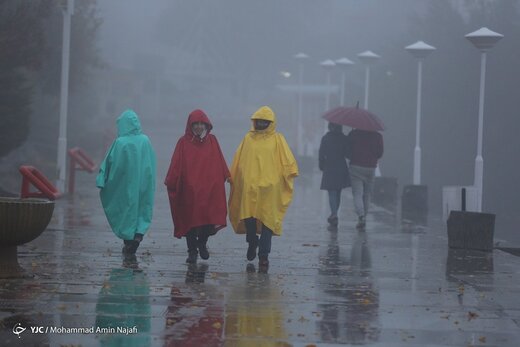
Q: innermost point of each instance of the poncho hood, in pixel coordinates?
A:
(128, 124)
(265, 113)
(197, 116)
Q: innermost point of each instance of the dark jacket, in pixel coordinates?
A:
(333, 151)
(366, 147)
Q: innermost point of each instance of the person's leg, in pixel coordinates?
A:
(334, 200)
(131, 246)
(334, 196)
(367, 188)
(127, 245)
(332, 203)
(338, 199)
(251, 238)
(203, 236)
(356, 181)
(264, 246)
(191, 242)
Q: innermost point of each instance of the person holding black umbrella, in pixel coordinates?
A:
(332, 162)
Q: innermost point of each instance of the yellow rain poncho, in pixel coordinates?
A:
(262, 177)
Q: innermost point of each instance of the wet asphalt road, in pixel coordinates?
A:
(388, 286)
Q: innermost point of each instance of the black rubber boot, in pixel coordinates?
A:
(251, 238)
(204, 253)
(133, 245)
(263, 264)
(191, 241)
(251, 250)
(192, 258)
(202, 243)
(126, 247)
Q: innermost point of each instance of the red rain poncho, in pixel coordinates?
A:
(195, 180)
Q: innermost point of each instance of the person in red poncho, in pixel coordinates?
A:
(195, 183)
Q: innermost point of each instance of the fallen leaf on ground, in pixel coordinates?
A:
(472, 315)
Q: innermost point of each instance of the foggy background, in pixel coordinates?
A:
(164, 58)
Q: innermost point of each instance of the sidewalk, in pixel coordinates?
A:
(383, 287)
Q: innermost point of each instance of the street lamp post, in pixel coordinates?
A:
(414, 200)
(368, 58)
(300, 57)
(328, 65)
(419, 50)
(64, 95)
(343, 63)
(483, 39)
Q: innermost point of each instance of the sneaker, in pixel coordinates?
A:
(361, 223)
(203, 251)
(251, 250)
(192, 258)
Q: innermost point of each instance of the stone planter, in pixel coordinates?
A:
(414, 204)
(21, 221)
(471, 230)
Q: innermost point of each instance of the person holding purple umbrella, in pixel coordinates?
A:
(366, 148)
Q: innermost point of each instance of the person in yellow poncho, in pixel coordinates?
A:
(262, 177)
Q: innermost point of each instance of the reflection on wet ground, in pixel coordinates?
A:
(388, 286)
(346, 278)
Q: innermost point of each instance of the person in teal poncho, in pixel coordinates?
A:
(127, 181)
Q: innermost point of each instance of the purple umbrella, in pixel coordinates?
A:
(355, 117)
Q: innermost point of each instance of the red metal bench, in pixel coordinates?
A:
(30, 175)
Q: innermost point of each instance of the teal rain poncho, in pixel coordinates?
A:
(127, 179)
